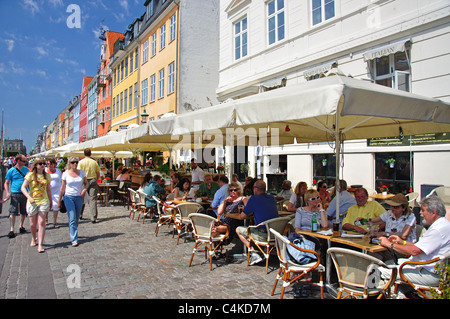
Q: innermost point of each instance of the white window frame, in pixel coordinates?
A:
(150, 9)
(152, 87)
(323, 4)
(171, 78)
(275, 15)
(162, 37)
(239, 37)
(161, 84)
(154, 38)
(144, 92)
(173, 27)
(145, 52)
(393, 74)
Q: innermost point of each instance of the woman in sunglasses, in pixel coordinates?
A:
(38, 200)
(73, 188)
(303, 215)
(231, 204)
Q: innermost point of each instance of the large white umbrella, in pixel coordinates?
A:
(334, 108)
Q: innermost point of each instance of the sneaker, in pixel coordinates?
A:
(11, 234)
(254, 259)
(22, 230)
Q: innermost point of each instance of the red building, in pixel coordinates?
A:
(83, 108)
(104, 85)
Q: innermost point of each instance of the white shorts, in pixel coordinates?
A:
(33, 209)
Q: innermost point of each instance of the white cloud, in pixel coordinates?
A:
(42, 51)
(16, 69)
(31, 6)
(56, 3)
(10, 44)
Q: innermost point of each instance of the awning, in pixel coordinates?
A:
(319, 69)
(385, 50)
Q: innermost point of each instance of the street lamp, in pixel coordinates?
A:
(144, 117)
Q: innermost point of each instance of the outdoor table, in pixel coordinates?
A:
(284, 213)
(107, 186)
(381, 196)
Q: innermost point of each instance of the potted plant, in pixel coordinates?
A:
(384, 189)
(220, 169)
(391, 162)
(443, 270)
(324, 162)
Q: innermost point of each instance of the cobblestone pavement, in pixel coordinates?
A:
(120, 258)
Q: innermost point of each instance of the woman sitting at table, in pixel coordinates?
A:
(185, 192)
(399, 220)
(303, 215)
(230, 205)
(298, 198)
(124, 176)
(325, 197)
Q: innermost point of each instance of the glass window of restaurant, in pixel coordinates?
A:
(324, 168)
(395, 171)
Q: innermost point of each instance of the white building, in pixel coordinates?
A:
(404, 44)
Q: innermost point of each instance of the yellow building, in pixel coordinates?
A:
(125, 70)
(158, 69)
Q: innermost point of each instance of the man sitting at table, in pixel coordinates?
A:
(363, 209)
(263, 207)
(154, 187)
(346, 200)
(435, 242)
(208, 188)
(221, 194)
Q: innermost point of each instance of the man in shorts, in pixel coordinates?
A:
(13, 182)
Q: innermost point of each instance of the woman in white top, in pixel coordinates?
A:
(73, 188)
(55, 186)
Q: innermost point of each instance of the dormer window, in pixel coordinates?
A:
(150, 9)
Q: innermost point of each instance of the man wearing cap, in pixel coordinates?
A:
(435, 242)
(362, 210)
(92, 170)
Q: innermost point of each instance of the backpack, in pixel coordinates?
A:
(297, 256)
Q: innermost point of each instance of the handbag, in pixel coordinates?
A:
(63, 208)
(297, 256)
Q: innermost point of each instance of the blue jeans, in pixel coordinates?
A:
(73, 205)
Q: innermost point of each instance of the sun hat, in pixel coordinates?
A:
(398, 200)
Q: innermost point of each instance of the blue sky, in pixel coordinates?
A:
(43, 60)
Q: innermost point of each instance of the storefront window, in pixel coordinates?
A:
(394, 170)
(324, 168)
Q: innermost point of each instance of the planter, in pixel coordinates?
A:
(391, 165)
(384, 193)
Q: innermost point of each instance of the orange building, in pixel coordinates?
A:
(104, 85)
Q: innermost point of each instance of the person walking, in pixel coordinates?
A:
(13, 183)
(92, 170)
(39, 203)
(74, 185)
(55, 186)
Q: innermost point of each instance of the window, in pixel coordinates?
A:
(144, 92)
(398, 176)
(135, 95)
(173, 27)
(121, 70)
(171, 78)
(240, 39)
(117, 105)
(161, 84)
(392, 71)
(113, 107)
(130, 90)
(150, 9)
(154, 44)
(136, 56)
(131, 62)
(145, 52)
(152, 88)
(322, 10)
(126, 66)
(324, 168)
(121, 103)
(162, 37)
(125, 101)
(275, 10)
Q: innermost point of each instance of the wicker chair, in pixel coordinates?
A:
(182, 220)
(144, 210)
(135, 202)
(289, 268)
(266, 246)
(355, 271)
(421, 290)
(165, 215)
(202, 225)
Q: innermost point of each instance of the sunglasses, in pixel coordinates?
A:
(76, 162)
(233, 190)
(314, 198)
(40, 163)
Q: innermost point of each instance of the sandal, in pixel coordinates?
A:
(56, 226)
(40, 249)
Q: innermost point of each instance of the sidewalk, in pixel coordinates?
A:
(121, 258)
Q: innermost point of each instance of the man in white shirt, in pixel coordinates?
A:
(435, 242)
(197, 174)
